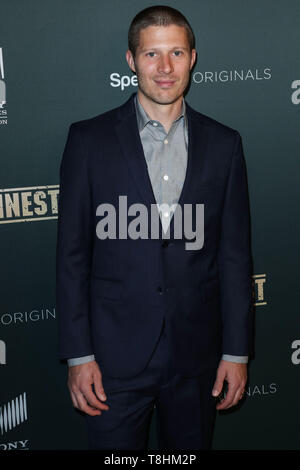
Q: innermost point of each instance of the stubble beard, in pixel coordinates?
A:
(155, 97)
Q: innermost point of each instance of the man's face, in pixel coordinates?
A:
(162, 63)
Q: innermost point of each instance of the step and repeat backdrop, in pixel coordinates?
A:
(64, 61)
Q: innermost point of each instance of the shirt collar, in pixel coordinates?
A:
(143, 118)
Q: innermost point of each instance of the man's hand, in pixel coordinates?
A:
(236, 376)
(80, 382)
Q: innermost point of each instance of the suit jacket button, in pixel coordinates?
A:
(165, 243)
(159, 289)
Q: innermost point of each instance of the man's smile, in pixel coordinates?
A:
(165, 83)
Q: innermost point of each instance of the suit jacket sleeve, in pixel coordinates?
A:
(234, 258)
(74, 249)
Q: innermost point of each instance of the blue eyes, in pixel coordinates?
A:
(152, 54)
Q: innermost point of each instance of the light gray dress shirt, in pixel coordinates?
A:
(166, 156)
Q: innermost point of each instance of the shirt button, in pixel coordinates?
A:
(166, 214)
(166, 177)
(155, 124)
(166, 141)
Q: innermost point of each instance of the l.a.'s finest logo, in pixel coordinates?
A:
(13, 413)
(3, 112)
(29, 204)
(258, 282)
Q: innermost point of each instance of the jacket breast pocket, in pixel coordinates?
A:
(207, 184)
(105, 288)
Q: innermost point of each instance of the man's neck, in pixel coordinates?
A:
(164, 113)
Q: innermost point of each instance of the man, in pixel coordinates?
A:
(145, 321)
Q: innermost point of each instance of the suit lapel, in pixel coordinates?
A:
(197, 137)
(197, 147)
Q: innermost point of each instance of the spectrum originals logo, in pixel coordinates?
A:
(202, 77)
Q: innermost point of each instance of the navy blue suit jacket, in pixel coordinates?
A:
(113, 294)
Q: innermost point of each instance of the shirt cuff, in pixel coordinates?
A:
(77, 361)
(239, 359)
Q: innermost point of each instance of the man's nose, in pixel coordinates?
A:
(165, 64)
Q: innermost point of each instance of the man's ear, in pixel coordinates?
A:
(130, 60)
(193, 58)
